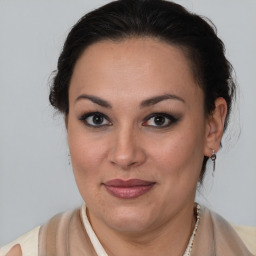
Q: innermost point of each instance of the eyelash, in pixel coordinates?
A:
(169, 118)
(84, 118)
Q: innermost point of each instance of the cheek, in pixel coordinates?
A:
(87, 154)
(86, 161)
(178, 162)
(180, 154)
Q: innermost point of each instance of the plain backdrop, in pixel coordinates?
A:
(36, 180)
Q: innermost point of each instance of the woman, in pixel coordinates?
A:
(146, 92)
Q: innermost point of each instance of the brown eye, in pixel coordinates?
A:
(95, 120)
(159, 120)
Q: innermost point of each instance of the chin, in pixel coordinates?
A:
(129, 220)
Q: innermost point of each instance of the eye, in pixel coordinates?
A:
(159, 120)
(96, 119)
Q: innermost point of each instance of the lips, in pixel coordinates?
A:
(128, 189)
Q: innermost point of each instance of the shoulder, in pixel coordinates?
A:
(27, 245)
(30, 243)
(248, 235)
(15, 251)
(238, 234)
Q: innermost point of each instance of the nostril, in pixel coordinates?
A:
(125, 152)
(128, 161)
(133, 163)
(124, 164)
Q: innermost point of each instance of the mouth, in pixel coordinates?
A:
(128, 189)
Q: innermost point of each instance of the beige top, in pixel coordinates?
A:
(29, 241)
(248, 235)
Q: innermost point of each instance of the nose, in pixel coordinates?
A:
(125, 151)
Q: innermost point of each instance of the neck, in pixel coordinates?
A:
(170, 238)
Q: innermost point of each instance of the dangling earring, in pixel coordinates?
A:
(69, 159)
(213, 158)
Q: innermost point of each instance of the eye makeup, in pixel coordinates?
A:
(95, 120)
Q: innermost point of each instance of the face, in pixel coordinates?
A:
(136, 131)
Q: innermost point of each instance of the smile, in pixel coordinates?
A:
(128, 189)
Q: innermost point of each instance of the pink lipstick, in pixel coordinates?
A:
(128, 189)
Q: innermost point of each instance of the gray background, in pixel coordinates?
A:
(35, 179)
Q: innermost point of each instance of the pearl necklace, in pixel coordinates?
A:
(100, 250)
(191, 241)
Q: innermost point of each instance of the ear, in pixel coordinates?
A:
(215, 127)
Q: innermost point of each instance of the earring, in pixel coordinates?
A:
(69, 159)
(213, 158)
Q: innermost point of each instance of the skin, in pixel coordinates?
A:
(15, 251)
(130, 145)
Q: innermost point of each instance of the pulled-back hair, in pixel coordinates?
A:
(164, 20)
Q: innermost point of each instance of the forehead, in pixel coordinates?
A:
(144, 65)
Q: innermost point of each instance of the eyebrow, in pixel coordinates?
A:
(157, 99)
(145, 103)
(94, 99)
